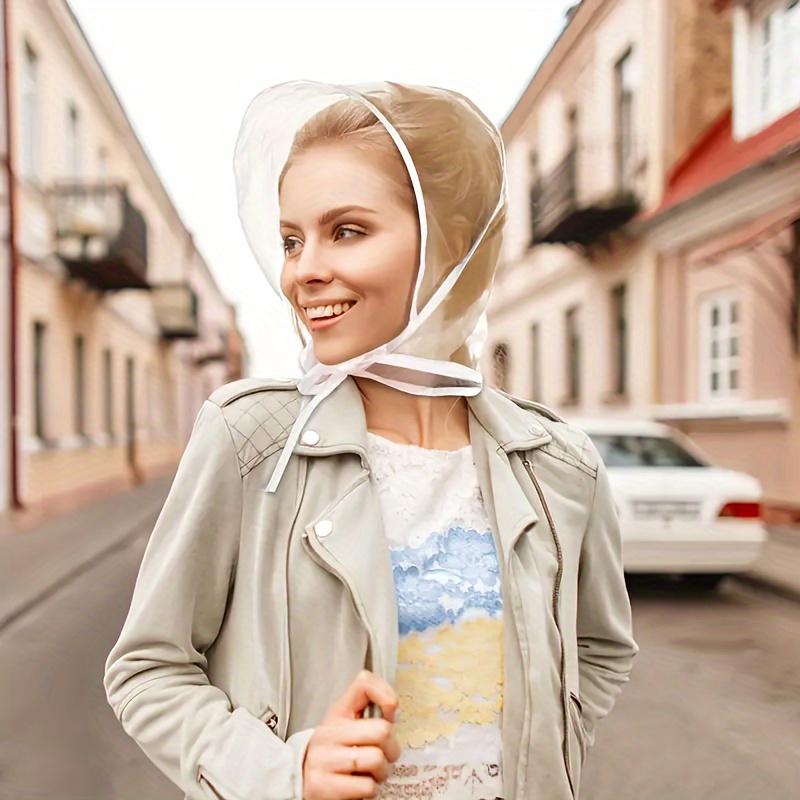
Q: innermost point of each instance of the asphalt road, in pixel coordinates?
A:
(712, 711)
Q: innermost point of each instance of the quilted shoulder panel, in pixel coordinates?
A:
(259, 420)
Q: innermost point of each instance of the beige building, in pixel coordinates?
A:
(122, 329)
(601, 307)
(589, 143)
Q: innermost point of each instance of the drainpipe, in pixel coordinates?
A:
(16, 500)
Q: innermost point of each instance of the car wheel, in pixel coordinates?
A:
(703, 581)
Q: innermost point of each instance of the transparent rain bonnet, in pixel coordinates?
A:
(458, 175)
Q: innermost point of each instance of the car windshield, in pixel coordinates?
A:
(642, 451)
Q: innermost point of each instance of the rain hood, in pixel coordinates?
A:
(460, 226)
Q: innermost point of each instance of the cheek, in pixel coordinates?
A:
(400, 259)
(287, 281)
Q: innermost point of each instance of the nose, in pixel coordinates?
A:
(312, 266)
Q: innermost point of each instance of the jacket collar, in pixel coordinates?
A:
(339, 425)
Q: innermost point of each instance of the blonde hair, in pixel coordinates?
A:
(457, 158)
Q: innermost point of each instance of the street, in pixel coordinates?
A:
(712, 710)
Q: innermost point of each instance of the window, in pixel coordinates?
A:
(767, 61)
(642, 451)
(73, 142)
(573, 355)
(39, 341)
(779, 62)
(108, 392)
(573, 129)
(29, 112)
(80, 387)
(501, 367)
(720, 353)
(572, 176)
(624, 88)
(130, 407)
(536, 366)
(535, 184)
(619, 313)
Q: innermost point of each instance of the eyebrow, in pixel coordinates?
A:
(330, 215)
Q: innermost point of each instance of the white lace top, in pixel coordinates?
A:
(450, 659)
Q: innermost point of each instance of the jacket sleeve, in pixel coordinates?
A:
(606, 647)
(155, 676)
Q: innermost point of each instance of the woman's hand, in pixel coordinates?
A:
(348, 755)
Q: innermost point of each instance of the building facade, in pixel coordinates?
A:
(588, 145)
(728, 238)
(122, 330)
(624, 288)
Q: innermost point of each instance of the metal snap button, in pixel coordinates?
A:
(310, 438)
(323, 528)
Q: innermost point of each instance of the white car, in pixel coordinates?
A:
(678, 513)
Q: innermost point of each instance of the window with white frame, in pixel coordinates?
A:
(766, 63)
(30, 123)
(720, 348)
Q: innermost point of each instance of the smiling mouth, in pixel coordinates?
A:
(318, 315)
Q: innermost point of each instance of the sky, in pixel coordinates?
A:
(185, 73)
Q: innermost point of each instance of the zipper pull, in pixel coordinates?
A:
(272, 722)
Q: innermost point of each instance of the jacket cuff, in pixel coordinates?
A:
(253, 763)
(299, 744)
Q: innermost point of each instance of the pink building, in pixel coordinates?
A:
(651, 257)
(727, 233)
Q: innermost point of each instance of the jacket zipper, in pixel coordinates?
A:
(556, 592)
(270, 719)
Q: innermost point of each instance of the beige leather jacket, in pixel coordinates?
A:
(252, 612)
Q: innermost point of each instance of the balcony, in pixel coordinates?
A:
(214, 349)
(100, 235)
(572, 206)
(176, 309)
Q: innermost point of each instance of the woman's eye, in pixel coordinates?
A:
(344, 230)
(289, 244)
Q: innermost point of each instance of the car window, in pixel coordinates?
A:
(643, 451)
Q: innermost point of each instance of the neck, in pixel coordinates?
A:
(436, 423)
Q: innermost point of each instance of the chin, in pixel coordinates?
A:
(332, 353)
(331, 356)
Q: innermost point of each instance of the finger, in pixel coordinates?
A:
(342, 787)
(369, 760)
(365, 733)
(365, 689)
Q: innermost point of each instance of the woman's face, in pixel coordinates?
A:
(351, 244)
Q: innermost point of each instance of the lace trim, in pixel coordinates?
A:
(423, 490)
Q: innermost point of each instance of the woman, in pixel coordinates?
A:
(386, 533)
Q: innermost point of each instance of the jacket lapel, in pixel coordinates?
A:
(498, 427)
(507, 507)
(353, 543)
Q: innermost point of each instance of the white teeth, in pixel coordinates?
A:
(320, 312)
